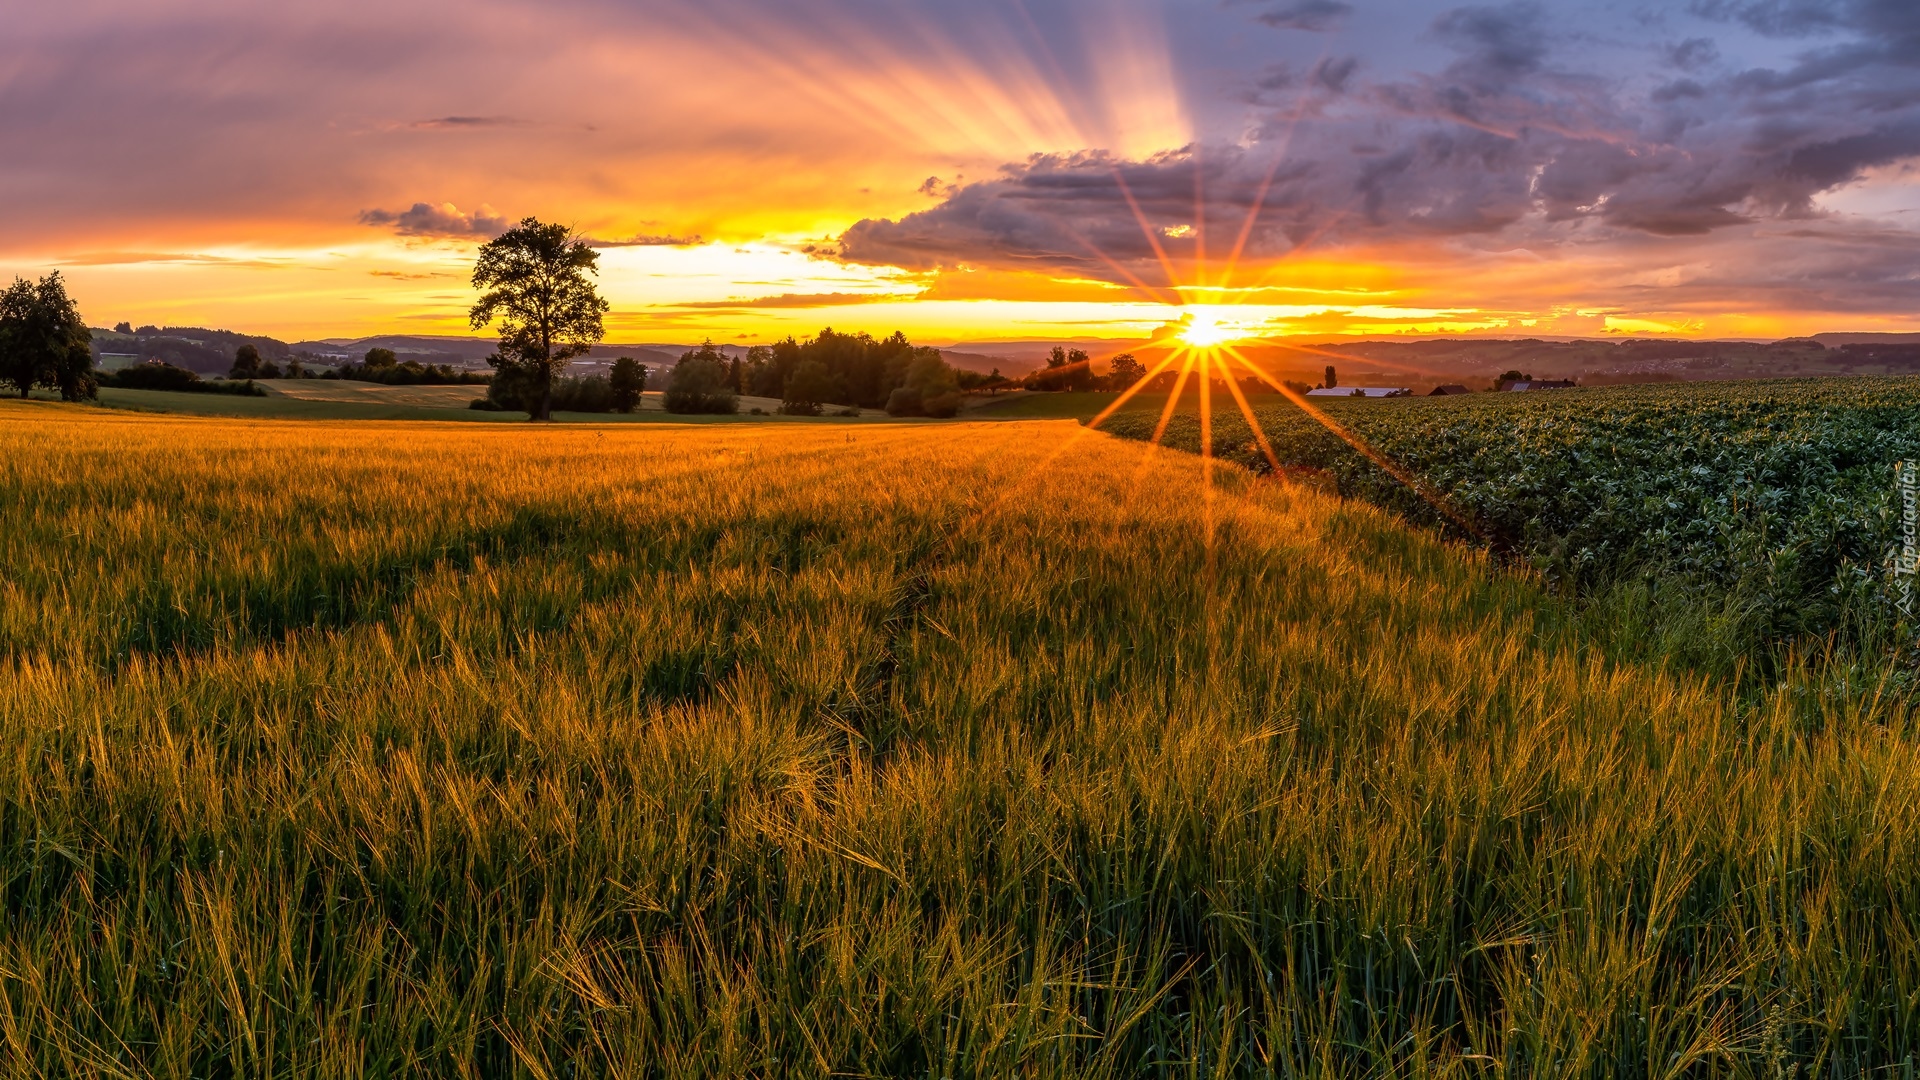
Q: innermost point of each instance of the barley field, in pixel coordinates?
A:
(340, 750)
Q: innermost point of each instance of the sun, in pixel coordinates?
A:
(1204, 329)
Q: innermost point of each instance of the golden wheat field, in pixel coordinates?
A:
(961, 750)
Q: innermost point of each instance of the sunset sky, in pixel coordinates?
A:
(980, 170)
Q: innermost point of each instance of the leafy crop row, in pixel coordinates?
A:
(1765, 510)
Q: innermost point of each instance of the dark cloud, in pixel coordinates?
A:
(1499, 42)
(1776, 18)
(1313, 15)
(445, 221)
(1692, 54)
(1508, 145)
(1334, 72)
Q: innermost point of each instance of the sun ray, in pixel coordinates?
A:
(1253, 422)
(1266, 184)
(1427, 493)
(1129, 393)
(1146, 228)
(1173, 399)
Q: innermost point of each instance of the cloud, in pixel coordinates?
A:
(797, 300)
(1504, 147)
(1496, 41)
(1776, 18)
(445, 221)
(1312, 15)
(646, 240)
(463, 123)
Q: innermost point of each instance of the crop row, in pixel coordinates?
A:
(1772, 503)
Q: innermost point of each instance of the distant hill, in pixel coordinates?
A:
(196, 348)
(1835, 340)
(467, 351)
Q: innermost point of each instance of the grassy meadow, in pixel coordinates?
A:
(909, 750)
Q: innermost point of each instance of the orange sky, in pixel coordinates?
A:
(760, 169)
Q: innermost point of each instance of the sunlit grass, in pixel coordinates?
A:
(366, 749)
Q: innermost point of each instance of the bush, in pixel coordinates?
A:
(699, 385)
(513, 390)
(757, 411)
(411, 373)
(942, 406)
(587, 393)
(801, 408)
(177, 380)
(905, 401)
(848, 411)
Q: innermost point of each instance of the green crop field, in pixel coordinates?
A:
(1734, 525)
(942, 750)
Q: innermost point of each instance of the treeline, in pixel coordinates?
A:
(618, 391)
(384, 367)
(830, 371)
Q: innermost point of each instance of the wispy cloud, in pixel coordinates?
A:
(797, 300)
(464, 123)
(646, 240)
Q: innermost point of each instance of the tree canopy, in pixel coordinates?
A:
(854, 369)
(535, 279)
(627, 382)
(699, 384)
(43, 339)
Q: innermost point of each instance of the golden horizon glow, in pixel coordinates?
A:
(725, 200)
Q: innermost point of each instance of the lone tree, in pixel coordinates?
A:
(43, 339)
(533, 277)
(1124, 370)
(246, 362)
(627, 381)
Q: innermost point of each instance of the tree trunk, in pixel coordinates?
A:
(545, 411)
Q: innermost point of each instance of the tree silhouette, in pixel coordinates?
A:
(535, 279)
(246, 362)
(627, 381)
(43, 339)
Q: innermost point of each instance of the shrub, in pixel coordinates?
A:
(587, 393)
(177, 380)
(410, 373)
(905, 401)
(699, 385)
(801, 408)
(848, 411)
(942, 406)
(151, 377)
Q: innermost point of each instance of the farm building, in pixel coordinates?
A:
(1361, 391)
(1449, 390)
(1540, 384)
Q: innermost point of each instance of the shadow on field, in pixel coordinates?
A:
(176, 614)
